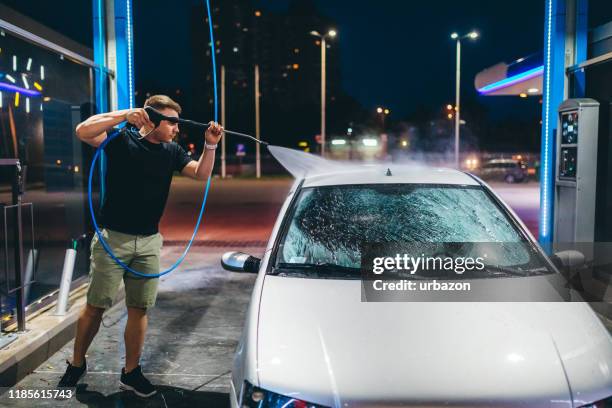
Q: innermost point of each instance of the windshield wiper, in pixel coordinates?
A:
(508, 271)
(320, 267)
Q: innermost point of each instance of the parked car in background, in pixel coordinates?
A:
(508, 170)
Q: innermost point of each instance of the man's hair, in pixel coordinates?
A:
(162, 102)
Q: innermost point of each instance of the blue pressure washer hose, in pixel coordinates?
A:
(105, 245)
(197, 226)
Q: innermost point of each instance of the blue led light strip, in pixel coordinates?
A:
(515, 79)
(129, 52)
(14, 88)
(545, 193)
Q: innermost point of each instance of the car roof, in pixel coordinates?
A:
(399, 174)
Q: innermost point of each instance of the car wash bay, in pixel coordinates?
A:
(195, 326)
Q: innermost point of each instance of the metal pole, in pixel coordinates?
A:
(29, 271)
(18, 237)
(111, 56)
(323, 47)
(457, 102)
(257, 124)
(66, 279)
(223, 168)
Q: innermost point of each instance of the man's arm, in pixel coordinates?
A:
(202, 169)
(93, 130)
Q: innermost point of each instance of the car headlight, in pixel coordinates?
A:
(255, 397)
(604, 403)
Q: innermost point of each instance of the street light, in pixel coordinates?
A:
(455, 36)
(383, 112)
(330, 34)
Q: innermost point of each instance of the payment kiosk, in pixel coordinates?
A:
(576, 173)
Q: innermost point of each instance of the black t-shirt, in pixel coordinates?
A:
(138, 178)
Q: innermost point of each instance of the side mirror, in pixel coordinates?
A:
(568, 261)
(240, 262)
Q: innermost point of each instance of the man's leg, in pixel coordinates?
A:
(140, 294)
(132, 378)
(105, 277)
(87, 328)
(134, 336)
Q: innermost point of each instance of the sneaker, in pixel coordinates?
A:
(135, 381)
(72, 375)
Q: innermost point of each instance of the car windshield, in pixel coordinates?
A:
(330, 226)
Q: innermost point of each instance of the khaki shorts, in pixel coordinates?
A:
(139, 252)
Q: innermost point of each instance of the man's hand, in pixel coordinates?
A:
(93, 130)
(213, 133)
(201, 169)
(139, 118)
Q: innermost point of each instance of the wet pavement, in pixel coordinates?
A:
(193, 332)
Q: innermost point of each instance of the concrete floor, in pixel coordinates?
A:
(193, 332)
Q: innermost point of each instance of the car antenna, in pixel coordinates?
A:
(388, 172)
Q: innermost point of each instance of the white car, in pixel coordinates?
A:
(310, 341)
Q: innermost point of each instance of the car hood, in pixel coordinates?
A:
(318, 342)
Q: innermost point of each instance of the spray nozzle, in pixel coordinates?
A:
(156, 117)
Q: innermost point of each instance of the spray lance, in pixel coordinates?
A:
(156, 117)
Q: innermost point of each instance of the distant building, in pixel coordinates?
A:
(289, 60)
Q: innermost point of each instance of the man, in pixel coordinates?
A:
(141, 162)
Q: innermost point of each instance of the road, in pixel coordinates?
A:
(245, 210)
(524, 199)
(236, 210)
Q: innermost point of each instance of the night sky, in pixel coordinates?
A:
(394, 53)
(399, 54)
